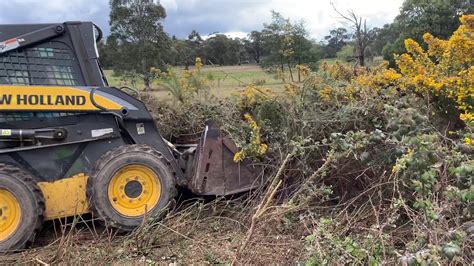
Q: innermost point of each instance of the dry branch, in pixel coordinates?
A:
(263, 206)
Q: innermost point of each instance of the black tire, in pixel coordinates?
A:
(30, 199)
(105, 169)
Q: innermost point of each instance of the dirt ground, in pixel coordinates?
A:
(194, 233)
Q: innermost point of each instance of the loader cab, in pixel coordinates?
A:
(51, 55)
(39, 55)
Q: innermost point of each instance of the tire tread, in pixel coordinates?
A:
(106, 158)
(31, 184)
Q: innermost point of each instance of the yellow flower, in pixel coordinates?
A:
(444, 69)
(198, 64)
(379, 79)
(238, 156)
(413, 47)
(469, 141)
(326, 94)
(252, 95)
(467, 117)
(395, 168)
(292, 89)
(304, 70)
(251, 122)
(255, 147)
(262, 149)
(248, 117)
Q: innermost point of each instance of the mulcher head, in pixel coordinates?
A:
(215, 172)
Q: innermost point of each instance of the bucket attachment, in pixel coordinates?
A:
(215, 172)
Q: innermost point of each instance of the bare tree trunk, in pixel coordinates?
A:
(361, 45)
(146, 82)
(291, 72)
(299, 72)
(361, 56)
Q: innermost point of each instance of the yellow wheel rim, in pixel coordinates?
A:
(134, 190)
(10, 214)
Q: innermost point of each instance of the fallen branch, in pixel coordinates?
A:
(263, 206)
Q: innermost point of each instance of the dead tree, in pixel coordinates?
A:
(361, 33)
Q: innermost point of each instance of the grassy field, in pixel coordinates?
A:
(223, 80)
(371, 63)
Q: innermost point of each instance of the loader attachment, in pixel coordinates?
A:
(214, 171)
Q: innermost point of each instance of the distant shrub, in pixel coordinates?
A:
(346, 54)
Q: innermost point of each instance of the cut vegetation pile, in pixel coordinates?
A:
(360, 166)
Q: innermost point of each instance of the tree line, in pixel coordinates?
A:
(138, 41)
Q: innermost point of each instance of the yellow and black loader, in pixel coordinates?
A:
(70, 144)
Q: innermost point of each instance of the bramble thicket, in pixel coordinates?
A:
(371, 165)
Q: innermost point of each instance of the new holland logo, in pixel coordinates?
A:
(9, 45)
(42, 100)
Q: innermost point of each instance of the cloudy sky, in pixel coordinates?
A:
(235, 17)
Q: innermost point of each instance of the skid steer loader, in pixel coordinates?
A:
(70, 144)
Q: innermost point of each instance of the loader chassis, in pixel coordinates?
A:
(70, 144)
(61, 167)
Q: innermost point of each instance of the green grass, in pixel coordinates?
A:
(223, 80)
(375, 62)
(329, 61)
(118, 81)
(113, 80)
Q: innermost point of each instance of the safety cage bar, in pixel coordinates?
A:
(50, 54)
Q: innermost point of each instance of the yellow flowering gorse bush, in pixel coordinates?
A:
(445, 69)
(380, 78)
(183, 86)
(252, 95)
(255, 147)
(338, 71)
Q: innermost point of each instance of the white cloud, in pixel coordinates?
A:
(54, 11)
(244, 15)
(169, 4)
(230, 34)
(320, 16)
(207, 16)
